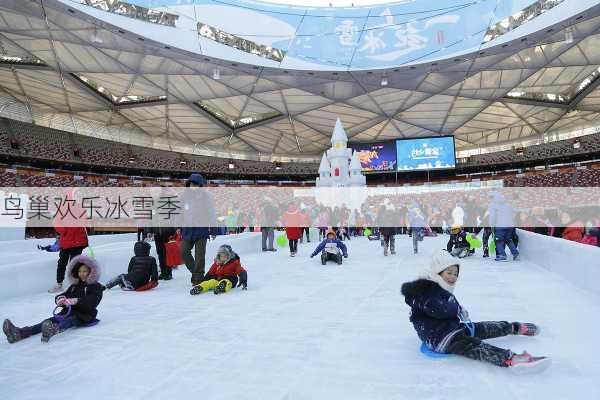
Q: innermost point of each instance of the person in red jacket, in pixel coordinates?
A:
(224, 274)
(293, 220)
(573, 230)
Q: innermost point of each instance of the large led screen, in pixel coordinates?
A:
(376, 156)
(426, 153)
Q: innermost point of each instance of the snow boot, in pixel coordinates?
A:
(56, 288)
(486, 252)
(385, 251)
(196, 290)
(525, 363)
(113, 282)
(221, 287)
(339, 259)
(14, 334)
(49, 329)
(525, 329)
(323, 258)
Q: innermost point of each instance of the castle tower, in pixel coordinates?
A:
(356, 176)
(338, 155)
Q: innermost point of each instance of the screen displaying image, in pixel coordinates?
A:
(376, 156)
(426, 153)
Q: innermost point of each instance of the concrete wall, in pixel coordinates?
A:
(577, 263)
(25, 270)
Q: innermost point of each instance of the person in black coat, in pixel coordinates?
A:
(141, 272)
(79, 303)
(443, 325)
(386, 222)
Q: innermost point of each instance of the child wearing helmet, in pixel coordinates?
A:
(331, 248)
(457, 244)
(224, 274)
(444, 325)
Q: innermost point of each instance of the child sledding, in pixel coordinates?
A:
(142, 272)
(79, 304)
(458, 245)
(224, 274)
(443, 325)
(331, 249)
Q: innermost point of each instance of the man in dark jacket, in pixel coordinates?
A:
(268, 222)
(199, 222)
(386, 222)
(141, 271)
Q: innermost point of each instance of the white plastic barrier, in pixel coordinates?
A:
(25, 270)
(576, 262)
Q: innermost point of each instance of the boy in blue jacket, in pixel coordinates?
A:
(331, 249)
(444, 325)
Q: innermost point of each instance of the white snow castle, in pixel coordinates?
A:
(339, 166)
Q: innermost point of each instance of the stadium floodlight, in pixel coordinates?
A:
(231, 165)
(384, 80)
(216, 74)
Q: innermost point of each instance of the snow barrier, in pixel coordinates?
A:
(577, 263)
(25, 270)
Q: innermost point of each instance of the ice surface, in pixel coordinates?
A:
(301, 331)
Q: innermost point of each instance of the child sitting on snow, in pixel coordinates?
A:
(142, 273)
(444, 326)
(223, 274)
(331, 249)
(457, 244)
(79, 302)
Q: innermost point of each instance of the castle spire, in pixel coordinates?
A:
(339, 135)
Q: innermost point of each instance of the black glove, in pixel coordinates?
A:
(345, 255)
(243, 280)
(312, 255)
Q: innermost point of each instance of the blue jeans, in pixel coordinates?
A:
(504, 236)
(64, 324)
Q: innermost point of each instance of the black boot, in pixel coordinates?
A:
(221, 287)
(338, 258)
(324, 258)
(486, 252)
(49, 329)
(113, 282)
(14, 334)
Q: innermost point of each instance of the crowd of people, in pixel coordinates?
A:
(439, 320)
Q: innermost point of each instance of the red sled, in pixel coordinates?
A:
(148, 286)
(173, 251)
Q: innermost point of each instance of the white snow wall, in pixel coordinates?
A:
(25, 270)
(577, 263)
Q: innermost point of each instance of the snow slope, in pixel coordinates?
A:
(302, 331)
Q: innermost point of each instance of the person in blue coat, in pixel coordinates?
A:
(443, 325)
(331, 248)
(199, 222)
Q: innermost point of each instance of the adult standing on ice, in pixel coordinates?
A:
(72, 239)
(198, 223)
(501, 220)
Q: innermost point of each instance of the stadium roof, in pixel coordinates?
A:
(97, 73)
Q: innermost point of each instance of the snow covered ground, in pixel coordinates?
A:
(302, 331)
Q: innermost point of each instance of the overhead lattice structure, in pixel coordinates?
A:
(71, 66)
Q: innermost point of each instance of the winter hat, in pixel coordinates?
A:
(227, 250)
(330, 231)
(455, 229)
(439, 262)
(76, 262)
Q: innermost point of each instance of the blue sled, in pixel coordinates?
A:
(432, 354)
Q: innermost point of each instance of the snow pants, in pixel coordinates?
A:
(211, 284)
(326, 256)
(474, 348)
